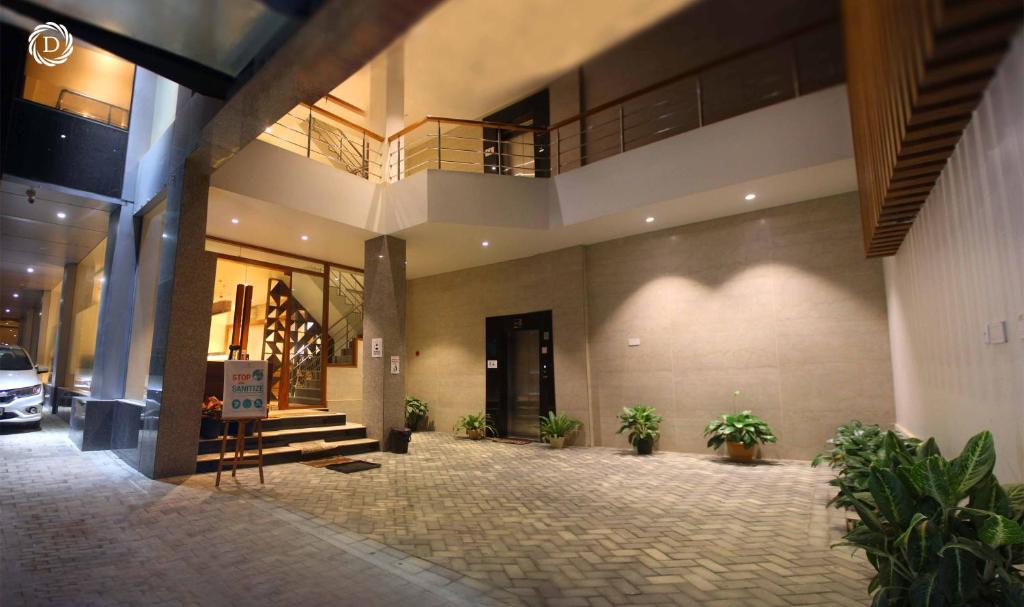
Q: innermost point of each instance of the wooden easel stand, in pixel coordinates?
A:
(239, 458)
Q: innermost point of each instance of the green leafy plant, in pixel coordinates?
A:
(475, 422)
(744, 428)
(641, 422)
(415, 410)
(939, 532)
(558, 426)
(854, 447)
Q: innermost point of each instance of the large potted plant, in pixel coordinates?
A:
(555, 429)
(938, 531)
(415, 411)
(741, 433)
(476, 425)
(642, 424)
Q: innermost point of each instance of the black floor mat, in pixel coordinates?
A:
(357, 465)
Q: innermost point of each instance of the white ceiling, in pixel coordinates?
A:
(435, 248)
(504, 51)
(33, 236)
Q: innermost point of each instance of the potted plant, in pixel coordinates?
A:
(476, 425)
(740, 432)
(209, 426)
(555, 429)
(642, 423)
(415, 411)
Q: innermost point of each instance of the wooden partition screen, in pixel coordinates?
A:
(916, 71)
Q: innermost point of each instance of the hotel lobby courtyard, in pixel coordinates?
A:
(454, 522)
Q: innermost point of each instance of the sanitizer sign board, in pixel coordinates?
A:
(245, 389)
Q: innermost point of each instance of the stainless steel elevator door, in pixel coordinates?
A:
(524, 384)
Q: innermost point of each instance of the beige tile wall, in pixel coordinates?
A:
(778, 303)
(445, 332)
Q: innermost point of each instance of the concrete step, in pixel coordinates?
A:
(286, 436)
(303, 419)
(207, 462)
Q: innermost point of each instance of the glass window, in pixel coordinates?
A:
(345, 316)
(91, 83)
(89, 281)
(14, 359)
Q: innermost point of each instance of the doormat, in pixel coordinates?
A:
(327, 461)
(356, 465)
(512, 441)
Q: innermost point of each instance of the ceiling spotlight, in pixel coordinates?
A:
(649, 220)
(62, 215)
(63, 136)
(16, 296)
(7, 310)
(485, 244)
(750, 196)
(268, 130)
(304, 237)
(234, 220)
(30, 270)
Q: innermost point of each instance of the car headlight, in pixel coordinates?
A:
(29, 391)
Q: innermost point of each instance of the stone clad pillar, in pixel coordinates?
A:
(384, 318)
(62, 348)
(169, 438)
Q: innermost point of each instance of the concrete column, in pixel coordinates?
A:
(113, 335)
(384, 318)
(62, 347)
(181, 330)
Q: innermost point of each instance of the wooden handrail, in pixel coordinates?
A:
(348, 123)
(345, 104)
(694, 71)
(620, 100)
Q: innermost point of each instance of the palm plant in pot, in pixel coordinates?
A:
(415, 411)
(555, 429)
(741, 433)
(642, 424)
(476, 425)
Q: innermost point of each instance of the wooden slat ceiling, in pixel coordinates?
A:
(916, 70)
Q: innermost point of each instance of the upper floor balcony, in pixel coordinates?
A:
(782, 68)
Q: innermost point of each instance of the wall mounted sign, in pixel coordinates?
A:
(492, 364)
(396, 365)
(377, 347)
(245, 389)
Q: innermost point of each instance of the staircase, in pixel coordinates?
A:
(282, 433)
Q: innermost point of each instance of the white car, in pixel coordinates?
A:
(21, 392)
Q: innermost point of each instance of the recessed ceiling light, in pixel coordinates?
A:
(61, 215)
(63, 136)
(7, 310)
(30, 270)
(234, 220)
(304, 237)
(268, 130)
(649, 220)
(485, 244)
(16, 296)
(750, 196)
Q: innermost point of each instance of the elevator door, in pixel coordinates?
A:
(520, 373)
(524, 383)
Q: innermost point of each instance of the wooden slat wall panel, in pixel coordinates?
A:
(916, 70)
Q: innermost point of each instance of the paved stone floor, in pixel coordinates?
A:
(454, 522)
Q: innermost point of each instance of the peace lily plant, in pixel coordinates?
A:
(741, 433)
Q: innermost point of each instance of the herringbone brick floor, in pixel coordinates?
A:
(452, 522)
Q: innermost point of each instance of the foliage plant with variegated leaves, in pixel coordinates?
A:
(940, 533)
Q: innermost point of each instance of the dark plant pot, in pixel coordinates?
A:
(209, 427)
(413, 421)
(644, 446)
(739, 453)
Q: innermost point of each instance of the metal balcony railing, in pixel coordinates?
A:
(92, 108)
